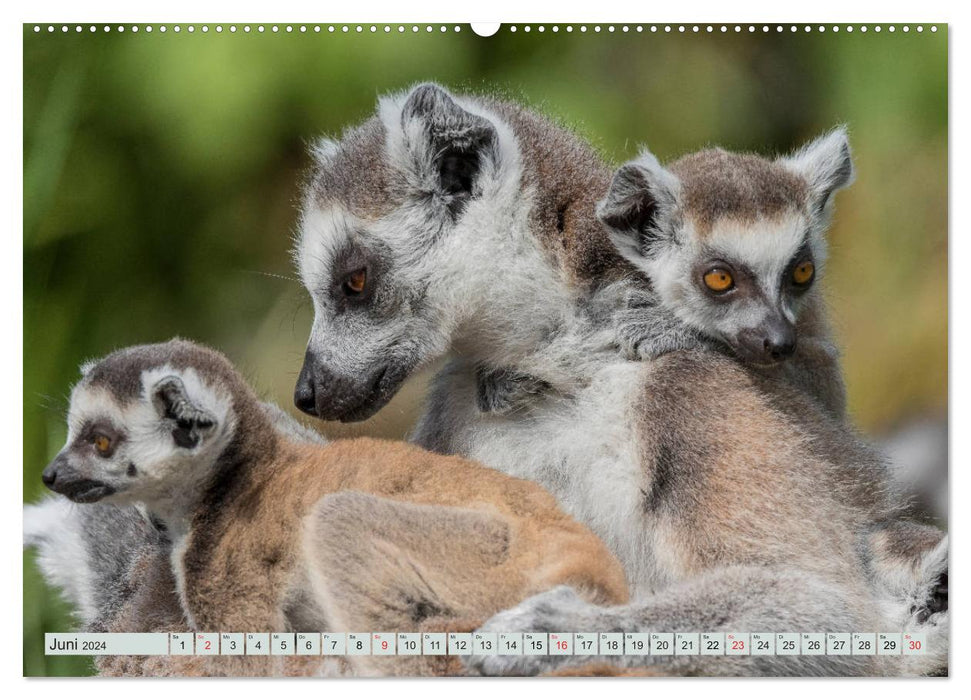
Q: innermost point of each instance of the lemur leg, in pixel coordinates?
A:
(376, 564)
(733, 599)
(383, 564)
(909, 565)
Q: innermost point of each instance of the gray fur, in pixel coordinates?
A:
(89, 553)
(774, 601)
(502, 391)
(416, 248)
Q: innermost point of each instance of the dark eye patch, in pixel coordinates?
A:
(804, 254)
(351, 260)
(93, 428)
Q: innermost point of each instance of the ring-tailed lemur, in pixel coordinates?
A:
(270, 535)
(111, 562)
(468, 224)
(734, 246)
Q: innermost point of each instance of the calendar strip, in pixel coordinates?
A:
(487, 643)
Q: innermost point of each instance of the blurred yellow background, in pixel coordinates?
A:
(161, 174)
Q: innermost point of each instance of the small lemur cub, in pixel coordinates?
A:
(270, 534)
(733, 245)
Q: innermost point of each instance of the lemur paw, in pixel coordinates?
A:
(632, 344)
(645, 332)
(934, 607)
(641, 341)
(557, 610)
(502, 391)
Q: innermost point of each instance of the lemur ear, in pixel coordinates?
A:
(86, 367)
(323, 149)
(190, 423)
(449, 143)
(641, 196)
(826, 165)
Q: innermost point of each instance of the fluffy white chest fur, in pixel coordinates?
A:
(584, 449)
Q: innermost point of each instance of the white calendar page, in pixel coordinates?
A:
(158, 156)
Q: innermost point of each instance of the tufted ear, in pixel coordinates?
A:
(323, 150)
(642, 195)
(825, 164)
(190, 424)
(451, 142)
(87, 366)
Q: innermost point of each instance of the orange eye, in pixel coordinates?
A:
(355, 282)
(803, 273)
(102, 443)
(719, 280)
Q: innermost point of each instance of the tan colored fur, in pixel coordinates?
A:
(382, 523)
(762, 489)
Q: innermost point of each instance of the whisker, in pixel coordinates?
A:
(273, 274)
(52, 404)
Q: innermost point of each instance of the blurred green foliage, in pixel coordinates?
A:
(161, 173)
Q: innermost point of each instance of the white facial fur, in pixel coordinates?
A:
(766, 247)
(651, 222)
(502, 296)
(166, 477)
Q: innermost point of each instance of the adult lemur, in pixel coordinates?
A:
(468, 225)
(271, 534)
(734, 499)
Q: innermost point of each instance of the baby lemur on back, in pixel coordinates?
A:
(733, 246)
(270, 534)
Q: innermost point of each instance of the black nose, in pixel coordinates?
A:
(780, 347)
(304, 396)
(772, 341)
(49, 476)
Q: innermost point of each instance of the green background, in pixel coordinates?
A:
(161, 173)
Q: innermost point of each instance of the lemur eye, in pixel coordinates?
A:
(719, 279)
(102, 443)
(355, 282)
(802, 274)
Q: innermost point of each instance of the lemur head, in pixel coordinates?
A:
(148, 424)
(732, 243)
(377, 247)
